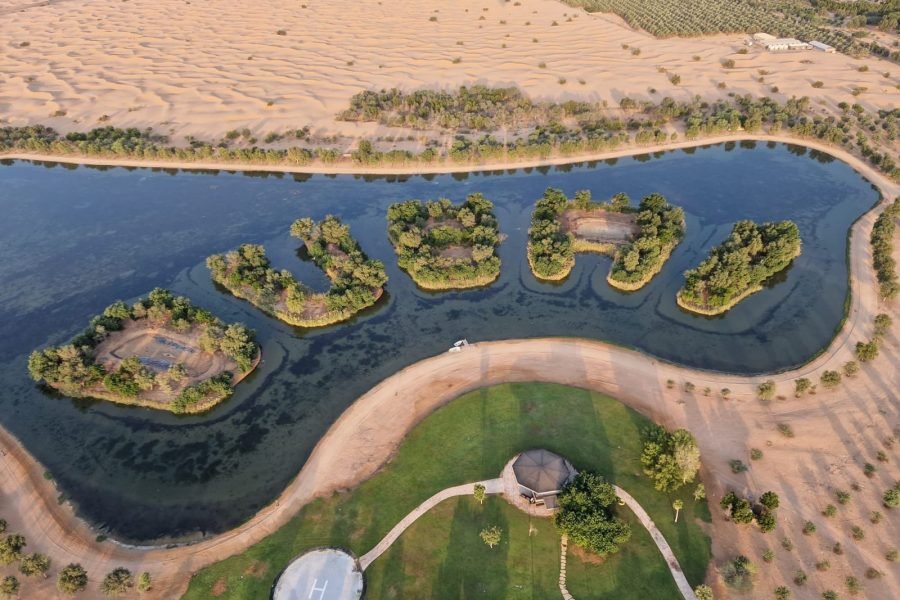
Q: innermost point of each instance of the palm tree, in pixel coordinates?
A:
(677, 505)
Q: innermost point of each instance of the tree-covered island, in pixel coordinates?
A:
(640, 240)
(739, 266)
(161, 352)
(445, 246)
(357, 281)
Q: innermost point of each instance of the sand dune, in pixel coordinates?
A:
(202, 68)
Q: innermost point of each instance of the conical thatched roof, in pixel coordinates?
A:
(541, 471)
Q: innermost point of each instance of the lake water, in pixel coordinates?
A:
(75, 239)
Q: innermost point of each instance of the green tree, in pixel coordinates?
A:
(801, 386)
(11, 548)
(34, 565)
(670, 459)
(703, 592)
(9, 586)
(866, 351)
(117, 582)
(699, 492)
(491, 535)
(766, 390)
(479, 493)
(677, 505)
(145, 583)
(72, 579)
(586, 515)
(883, 324)
(770, 500)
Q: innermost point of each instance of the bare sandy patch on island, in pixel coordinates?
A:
(204, 68)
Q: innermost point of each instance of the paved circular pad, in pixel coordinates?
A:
(321, 575)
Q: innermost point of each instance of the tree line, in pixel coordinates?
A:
(425, 234)
(356, 280)
(530, 130)
(739, 266)
(882, 240)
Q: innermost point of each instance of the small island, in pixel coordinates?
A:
(446, 247)
(357, 282)
(640, 240)
(161, 352)
(739, 266)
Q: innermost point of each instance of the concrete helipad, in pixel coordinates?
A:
(326, 574)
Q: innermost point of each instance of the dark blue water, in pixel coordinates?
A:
(76, 239)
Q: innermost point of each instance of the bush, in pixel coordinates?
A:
(801, 386)
(883, 324)
(766, 390)
(830, 379)
(728, 63)
(786, 430)
(9, 586)
(671, 459)
(809, 528)
(851, 368)
(34, 565)
(117, 582)
(756, 454)
(72, 579)
(866, 351)
(739, 573)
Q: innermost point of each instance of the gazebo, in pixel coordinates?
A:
(541, 475)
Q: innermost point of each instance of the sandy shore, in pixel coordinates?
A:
(204, 68)
(835, 433)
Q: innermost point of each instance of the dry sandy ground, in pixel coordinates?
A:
(202, 68)
(600, 225)
(835, 433)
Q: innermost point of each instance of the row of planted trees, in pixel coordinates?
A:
(490, 124)
(70, 580)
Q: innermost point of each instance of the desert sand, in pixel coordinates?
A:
(203, 68)
(835, 433)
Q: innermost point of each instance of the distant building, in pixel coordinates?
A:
(822, 47)
(774, 44)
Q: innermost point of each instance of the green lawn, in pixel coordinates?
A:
(471, 439)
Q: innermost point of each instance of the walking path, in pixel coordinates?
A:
(491, 486)
(680, 580)
(496, 486)
(367, 434)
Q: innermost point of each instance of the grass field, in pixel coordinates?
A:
(441, 555)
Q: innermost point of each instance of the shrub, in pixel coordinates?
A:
(786, 430)
(818, 84)
(800, 578)
(739, 573)
(703, 592)
(737, 465)
(782, 593)
(830, 379)
(853, 585)
(857, 532)
(729, 63)
(891, 497)
(876, 517)
(869, 470)
(830, 510)
(843, 497)
(873, 573)
(756, 454)
(823, 565)
(866, 351)
(34, 565)
(72, 579)
(883, 324)
(766, 390)
(768, 556)
(851, 368)
(809, 528)
(117, 582)
(801, 386)
(837, 548)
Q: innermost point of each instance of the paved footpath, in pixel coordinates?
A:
(495, 486)
(680, 580)
(491, 486)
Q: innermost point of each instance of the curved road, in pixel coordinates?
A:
(366, 435)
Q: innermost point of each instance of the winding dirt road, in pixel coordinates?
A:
(834, 432)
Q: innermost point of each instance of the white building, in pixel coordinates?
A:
(774, 44)
(822, 47)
